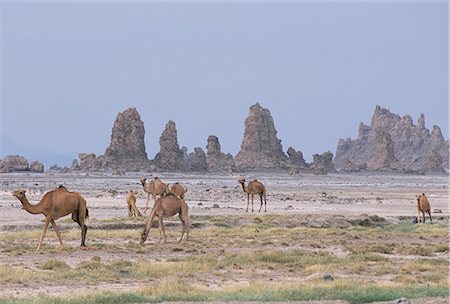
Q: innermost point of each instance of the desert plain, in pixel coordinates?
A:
(336, 238)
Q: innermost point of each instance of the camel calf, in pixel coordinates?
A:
(423, 205)
(133, 211)
(164, 207)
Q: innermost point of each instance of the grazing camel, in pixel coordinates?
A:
(164, 207)
(133, 211)
(155, 187)
(423, 205)
(56, 204)
(178, 190)
(254, 187)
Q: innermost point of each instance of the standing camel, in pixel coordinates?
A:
(254, 187)
(423, 205)
(178, 190)
(155, 187)
(164, 207)
(133, 211)
(55, 204)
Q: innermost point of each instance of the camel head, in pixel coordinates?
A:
(418, 196)
(242, 181)
(143, 179)
(19, 193)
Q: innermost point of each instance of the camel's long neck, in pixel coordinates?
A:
(33, 209)
(243, 187)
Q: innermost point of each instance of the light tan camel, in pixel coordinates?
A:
(423, 205)
(178, 190)
(164, 207)
(154, 187)
(55, 204)
(254, 187)
(133, 211)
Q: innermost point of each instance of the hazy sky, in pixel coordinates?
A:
(320, 68)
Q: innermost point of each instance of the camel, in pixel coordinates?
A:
(164, 207)
(133, 211)
(423, 205)
(55, 204)
(178, 190)
(254, 187)
(155, 187)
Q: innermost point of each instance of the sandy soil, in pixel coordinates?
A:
(318, 199)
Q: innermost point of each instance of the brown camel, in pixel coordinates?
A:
(178, 190)
(254, 187)
(423, 205)
(55, 204)
(155, 187)
(133, 211)
(164, 207)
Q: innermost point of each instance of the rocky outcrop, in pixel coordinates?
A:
(199, 160)
(126, 151)
(75, 166)
(296, 159)
(13, 163)
(260, 148)
(37, 167)
(216, 160)
(127, 148)
(170, 156)
(322, 163)
(393, 143)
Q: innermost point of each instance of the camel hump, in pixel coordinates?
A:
(255, 180)
(62, 187)
(156, 177)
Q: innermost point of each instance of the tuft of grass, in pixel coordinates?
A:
(55, 265)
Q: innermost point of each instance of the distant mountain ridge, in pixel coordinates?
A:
(394, 143)
(9, 146)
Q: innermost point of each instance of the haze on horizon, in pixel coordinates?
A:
(320, 68)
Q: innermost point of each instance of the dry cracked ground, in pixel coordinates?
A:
(336, 238)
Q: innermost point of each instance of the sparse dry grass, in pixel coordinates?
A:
(250, 261)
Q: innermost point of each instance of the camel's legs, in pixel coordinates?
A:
(130, 211)
(429, 214)
(161, 229)
(261, 203)
(56, 230)
(146, 204)
(136, 211)
(252, 201)
(423, 216)
(47, 221)
(185, 223)
(248, 202)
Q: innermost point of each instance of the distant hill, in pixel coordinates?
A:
(9, 146)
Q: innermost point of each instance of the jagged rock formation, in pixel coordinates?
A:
(37, 167)
(393, 143)
(170, 157)
(322, 163)
(217, 160)
(260, 148)
(296, 159)
(199, 160)
(12, 163)
(75, 166)
(127, 147)
(126, 150)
